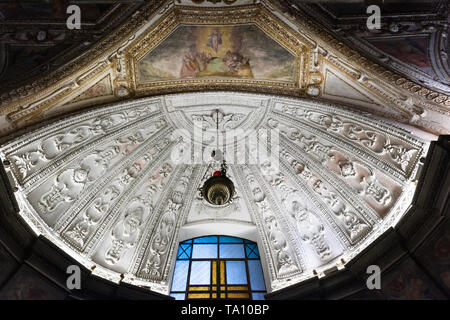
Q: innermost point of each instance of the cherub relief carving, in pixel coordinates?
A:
(70, 183)
(125, 234)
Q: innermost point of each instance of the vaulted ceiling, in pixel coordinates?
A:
(115, 187)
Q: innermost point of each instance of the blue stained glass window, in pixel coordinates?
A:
(256, 276)
(209, 239)
(258, 296)
(184, 251)
(218, 267)
(200, 272)
(180, 296)
(251, 250)
(180, 275)
(231, 251)
(227, 239)
(236, 272)
(204, 251)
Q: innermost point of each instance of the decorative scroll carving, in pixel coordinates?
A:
(53, 146)
(70, 183)
(311, 228)
(162, 236)
(355, 227)
(349, 170)
(125, 234)
(123, 181)
(376, 190)
(309, 144)
(128, 230)
(398, 153)
(105, 195)
(92, 215)
(377, 142)
(62, 142)
(370, 186)
(79, 233)
(278, 243)
(225, 121)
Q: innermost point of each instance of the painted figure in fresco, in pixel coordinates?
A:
(203, 64)
(194, 62)
(214, 40)
(234, 61)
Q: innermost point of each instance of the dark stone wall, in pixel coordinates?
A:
(414, 256)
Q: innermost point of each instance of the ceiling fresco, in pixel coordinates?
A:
(218, 51)
(239, 48)
(242, 46)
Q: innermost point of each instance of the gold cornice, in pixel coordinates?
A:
(24, 115)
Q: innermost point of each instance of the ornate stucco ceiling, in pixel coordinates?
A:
(115, 187)
(111, 184)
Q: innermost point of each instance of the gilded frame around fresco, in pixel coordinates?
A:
(253, 15)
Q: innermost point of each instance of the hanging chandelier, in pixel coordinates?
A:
(218, 189)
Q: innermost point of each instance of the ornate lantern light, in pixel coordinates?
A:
(218, 189)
